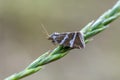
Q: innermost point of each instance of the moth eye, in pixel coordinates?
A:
(49, 38)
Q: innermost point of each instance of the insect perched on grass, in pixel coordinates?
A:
(67, 39)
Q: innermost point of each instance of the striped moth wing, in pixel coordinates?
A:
(68, 39)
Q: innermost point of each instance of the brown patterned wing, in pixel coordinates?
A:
(73, 40)
(79, 41)
(66, 41)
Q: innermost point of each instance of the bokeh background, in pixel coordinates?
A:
(22, 39)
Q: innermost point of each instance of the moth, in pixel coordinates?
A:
(74, 40)
(68, 39)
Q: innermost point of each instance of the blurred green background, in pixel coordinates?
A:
(22, 39)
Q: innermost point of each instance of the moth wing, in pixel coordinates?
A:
(79, 41)
(67, 38)
(60, 38)
(73, 40)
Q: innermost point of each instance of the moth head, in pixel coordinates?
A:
(53, 36)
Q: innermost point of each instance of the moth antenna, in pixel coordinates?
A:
(45, 30)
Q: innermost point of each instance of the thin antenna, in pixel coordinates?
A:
(45, 30)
